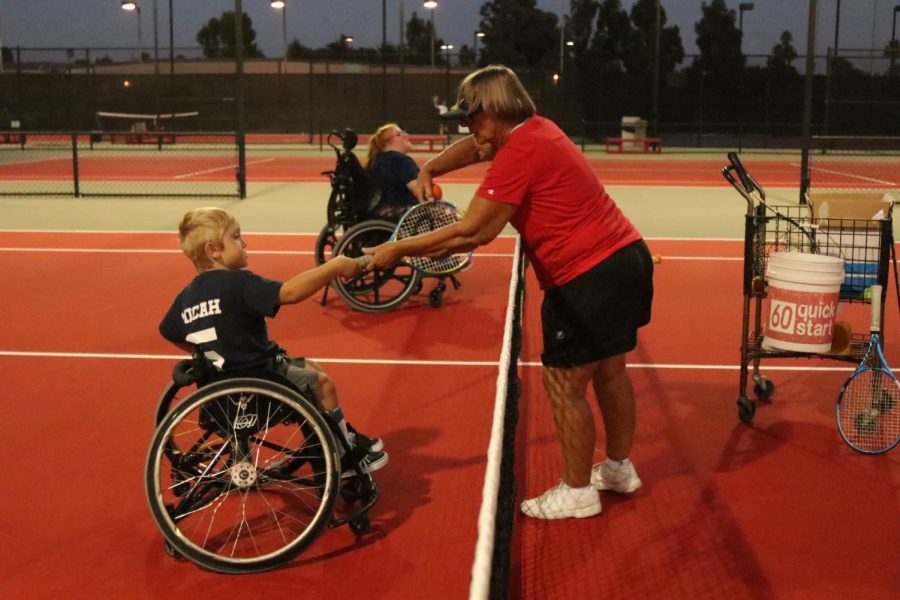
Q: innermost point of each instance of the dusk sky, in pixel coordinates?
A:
(102, 23)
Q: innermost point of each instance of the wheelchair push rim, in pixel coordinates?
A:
(380, 290)
(242, 475)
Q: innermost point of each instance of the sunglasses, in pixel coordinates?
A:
(470, 113)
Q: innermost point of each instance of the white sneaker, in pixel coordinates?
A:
(563, 502)
(623, 479)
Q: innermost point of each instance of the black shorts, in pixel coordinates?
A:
(597, 314)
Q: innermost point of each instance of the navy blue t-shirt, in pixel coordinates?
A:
(392, 170)
(224, 312)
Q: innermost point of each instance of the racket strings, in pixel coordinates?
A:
(426, 218)
(870, 410)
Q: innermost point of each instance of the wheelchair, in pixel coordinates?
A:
(353, 225)
(244, 473)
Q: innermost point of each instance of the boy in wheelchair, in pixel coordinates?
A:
(223, 311)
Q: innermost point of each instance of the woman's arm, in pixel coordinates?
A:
(459, 154)
(483, 221)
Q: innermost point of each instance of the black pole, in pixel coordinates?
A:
(384, 109)
(837, 26)
(239, 96)
(893, 39)
(655, 116)
(807, 100)
(171, 40)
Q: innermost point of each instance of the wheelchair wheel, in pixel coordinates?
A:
(242, 475)
(325, 243)
(377, 291)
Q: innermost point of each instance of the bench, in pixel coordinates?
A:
(653, 145)
(12, 138)
(431, 140)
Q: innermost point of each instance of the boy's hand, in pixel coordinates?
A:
(349, 267)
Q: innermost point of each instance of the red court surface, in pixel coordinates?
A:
(660, 170)
(780, 508)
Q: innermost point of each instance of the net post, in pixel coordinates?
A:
(75, 165)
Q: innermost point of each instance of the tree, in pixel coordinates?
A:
(671, 50)
(217, 37)
(418, 40)
(517, 33)
(783, 54)
(719, 41)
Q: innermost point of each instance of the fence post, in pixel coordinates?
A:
(75, 165)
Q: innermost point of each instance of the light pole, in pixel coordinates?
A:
(129, 5)
(282, 6)
(894, 38)
(431, 5)
(837, 26)
(743, 6)
(478, 34)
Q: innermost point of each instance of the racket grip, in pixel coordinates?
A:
(364, 260)
(876, 308)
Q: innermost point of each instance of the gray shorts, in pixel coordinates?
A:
(296, 372)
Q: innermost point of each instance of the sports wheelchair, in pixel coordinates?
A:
(353, 225)
(244, 473)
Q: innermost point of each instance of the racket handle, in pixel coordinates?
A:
(364, 260)
(876, 308)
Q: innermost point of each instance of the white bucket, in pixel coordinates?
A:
(803, 299)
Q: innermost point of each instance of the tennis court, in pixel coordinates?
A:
(778, 508)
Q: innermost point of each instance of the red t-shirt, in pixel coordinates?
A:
(567, 220)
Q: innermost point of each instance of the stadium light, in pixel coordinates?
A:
(431, 5)
(478, 34)
(282, 6)
(128, 5)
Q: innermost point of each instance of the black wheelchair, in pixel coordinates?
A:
(353, 224)
(244, 472)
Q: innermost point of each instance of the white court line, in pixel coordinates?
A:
(442, 363)
(845, 174)
(203, 172)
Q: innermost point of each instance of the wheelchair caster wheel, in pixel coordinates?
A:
(171, 551)
(746, 409)
(360, 525)
(763, 388)
(436, 299)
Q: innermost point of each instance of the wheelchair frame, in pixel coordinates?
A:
(351, 226)
(244, 472)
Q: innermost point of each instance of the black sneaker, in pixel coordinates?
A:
(359, 440)
(371, 462)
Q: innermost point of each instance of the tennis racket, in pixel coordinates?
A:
(868, 407)
(424, 218)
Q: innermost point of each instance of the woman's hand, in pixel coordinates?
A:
(383, 256)
(423, 187)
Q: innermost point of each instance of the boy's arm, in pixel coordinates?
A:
(302, 286)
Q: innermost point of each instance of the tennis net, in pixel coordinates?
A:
(491, 567)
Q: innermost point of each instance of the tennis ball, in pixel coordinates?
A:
(657, 259)
(437, 192)
(867, 295)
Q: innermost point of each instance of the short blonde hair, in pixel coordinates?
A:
(199, 227)
(496, 90)
(379, 140)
